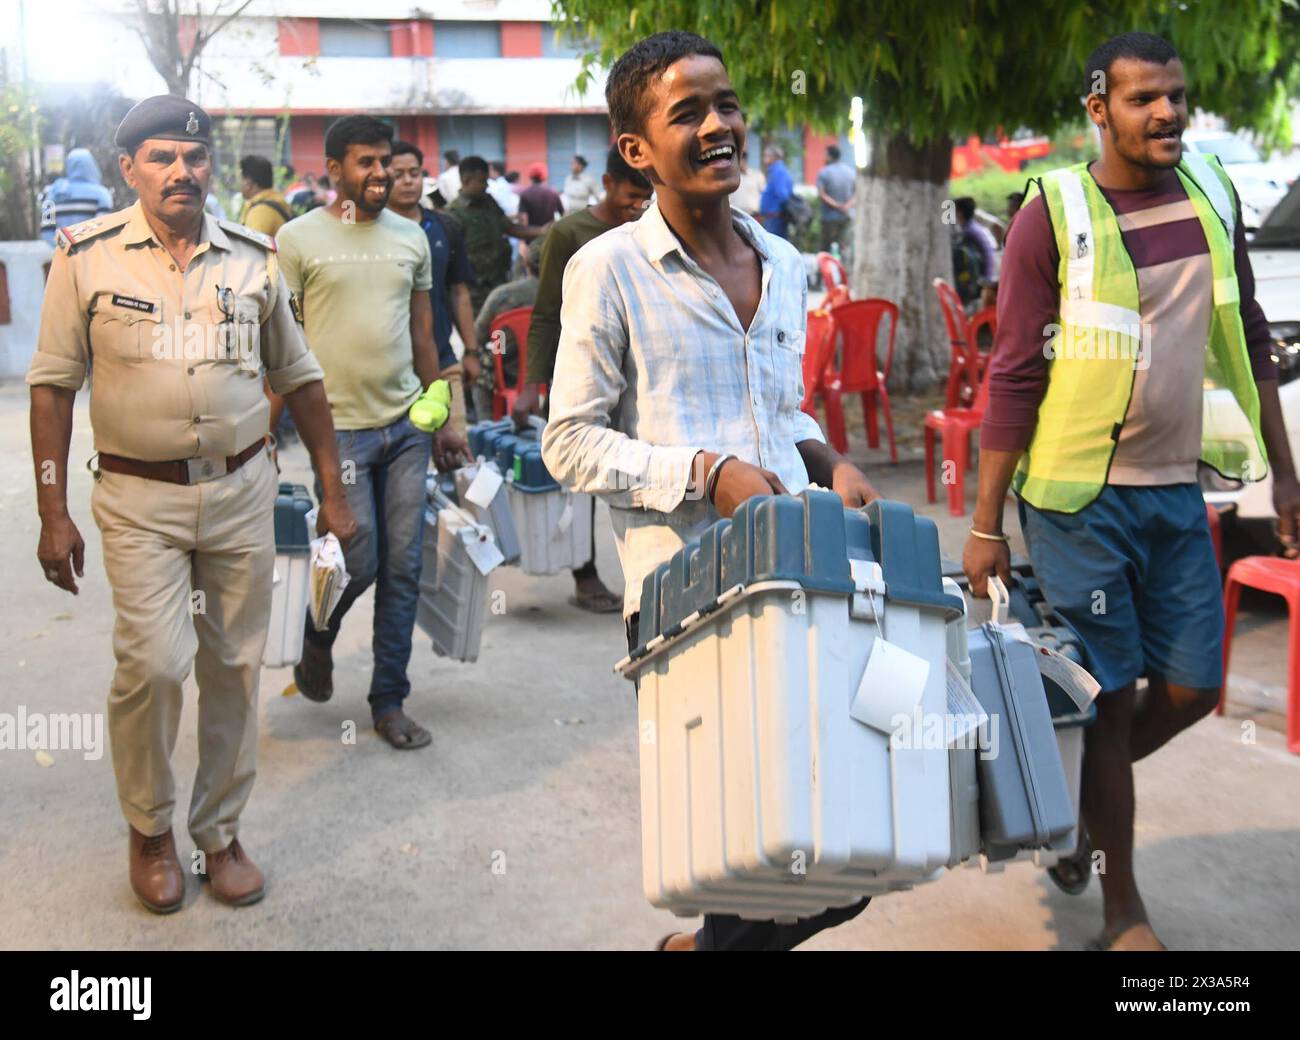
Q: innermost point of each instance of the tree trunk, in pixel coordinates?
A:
(901, 244)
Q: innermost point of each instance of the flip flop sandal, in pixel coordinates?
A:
(403, 732)
(599, 603)
(662, 945)
(1072, 875)
(1105, 942)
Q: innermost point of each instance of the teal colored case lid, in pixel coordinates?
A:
(482, 436)
(529, 472)
(292, 504)
(807, 538)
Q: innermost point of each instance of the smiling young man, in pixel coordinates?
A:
(625, 197)
(1125, 287)
(452, 276)
(680, 355)
(361, 276)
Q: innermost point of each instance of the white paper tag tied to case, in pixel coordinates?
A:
(893, 681)
(481, 549)
(888, 699)
(484, 487)
(1073, 678)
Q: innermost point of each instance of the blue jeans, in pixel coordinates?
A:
(384, 473)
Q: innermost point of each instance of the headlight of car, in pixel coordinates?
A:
(1286, 349)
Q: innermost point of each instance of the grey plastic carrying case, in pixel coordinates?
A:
(1024, 799)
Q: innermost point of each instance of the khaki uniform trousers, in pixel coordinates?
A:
(191, 569)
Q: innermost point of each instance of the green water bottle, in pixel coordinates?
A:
(431, 409)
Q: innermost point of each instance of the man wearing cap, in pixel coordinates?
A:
(539, 200)
(183, 316)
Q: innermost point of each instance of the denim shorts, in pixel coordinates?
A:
(1134, 575)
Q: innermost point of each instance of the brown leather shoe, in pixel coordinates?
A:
(235, 879)
(156, 877)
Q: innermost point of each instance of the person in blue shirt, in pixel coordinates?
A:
(780, 186)
(452, 275)
(76, 196)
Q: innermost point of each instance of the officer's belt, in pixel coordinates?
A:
(180, 471)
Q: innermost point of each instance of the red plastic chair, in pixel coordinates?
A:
(838, 295)
(858, 322)
(517, 321)
(966, 365)
(820, 378)
(1282, 578)
(954, 426)
(832, 272)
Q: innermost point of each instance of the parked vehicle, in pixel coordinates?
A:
(1275, 259)
(1261, 184)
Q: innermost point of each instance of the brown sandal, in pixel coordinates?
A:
(402, 731)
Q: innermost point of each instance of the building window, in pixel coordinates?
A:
(484, 136)
(561, 41)
(567, 136)
(467, 39)
(348, 38)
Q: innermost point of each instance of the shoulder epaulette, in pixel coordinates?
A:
(68, 238)
(247, 234)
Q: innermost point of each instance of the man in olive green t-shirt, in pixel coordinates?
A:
(626, 194)
(360, 278)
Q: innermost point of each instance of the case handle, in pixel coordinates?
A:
(1001, 598)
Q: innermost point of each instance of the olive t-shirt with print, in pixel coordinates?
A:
(353, 282)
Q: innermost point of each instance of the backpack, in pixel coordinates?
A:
(285, 215)
(967, 265)
(796, 211)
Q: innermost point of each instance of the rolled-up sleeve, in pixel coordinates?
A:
(289, 361)
(63, 344)
(580, 447)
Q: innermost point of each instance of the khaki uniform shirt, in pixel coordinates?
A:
(178, 360)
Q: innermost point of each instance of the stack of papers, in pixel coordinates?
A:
(329, 575)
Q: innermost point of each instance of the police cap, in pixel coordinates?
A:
(167, 117)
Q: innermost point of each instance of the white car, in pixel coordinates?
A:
(1275, 259)
(1260, 184)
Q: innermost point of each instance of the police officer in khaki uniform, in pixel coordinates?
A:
(183, 317)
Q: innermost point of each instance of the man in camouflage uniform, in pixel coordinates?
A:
(486, 226)
(522, 292)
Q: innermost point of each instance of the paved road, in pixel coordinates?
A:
(533, 768)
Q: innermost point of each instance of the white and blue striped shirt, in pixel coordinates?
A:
(654, 366)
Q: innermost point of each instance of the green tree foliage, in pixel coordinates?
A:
(934, 69)
(19, 134)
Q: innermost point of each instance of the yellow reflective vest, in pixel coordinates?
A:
(1100, 342)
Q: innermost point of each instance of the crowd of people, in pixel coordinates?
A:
(669, 313)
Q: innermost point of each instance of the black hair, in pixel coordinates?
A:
(256, 169)
(512, 177)
(616, 166)
(833, 152)
(639, 66)
(471, 165)
(354, 130)
(965, 207)
(498, 167)
(1139, 45)
(580, 159)
(452, 156)
(406, 148)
